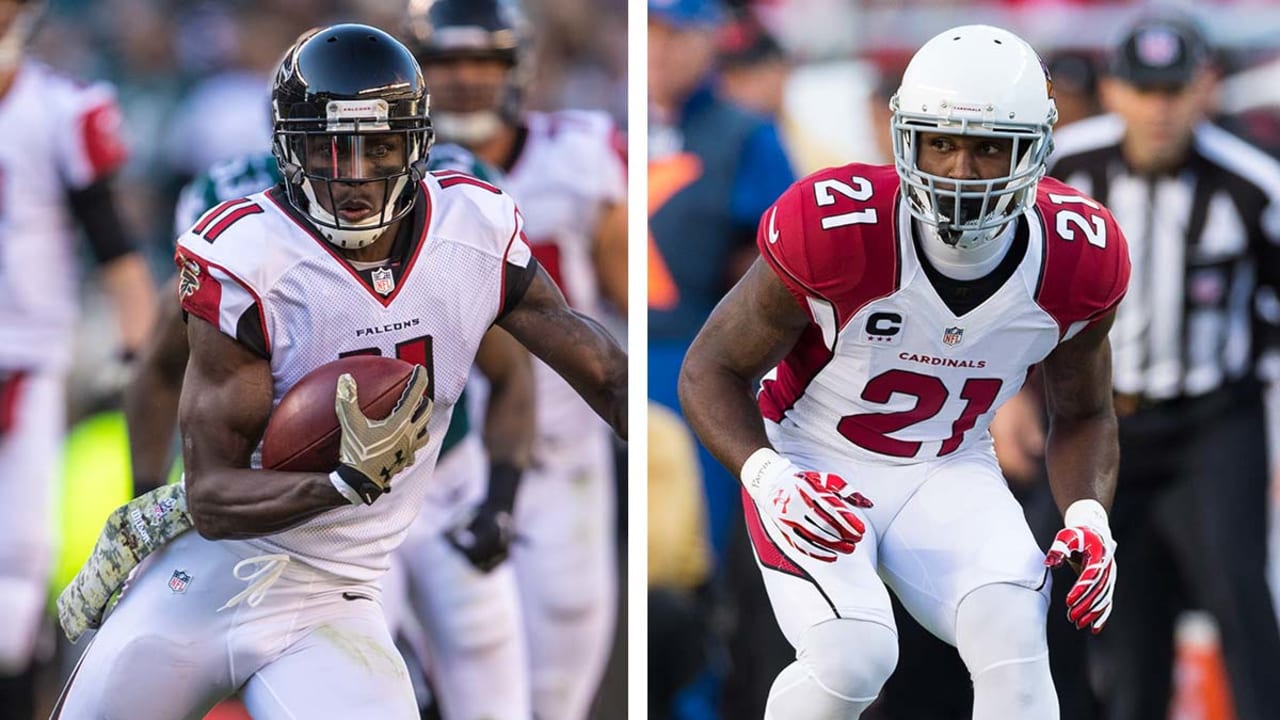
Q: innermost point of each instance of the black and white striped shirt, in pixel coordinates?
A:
(1202, 241)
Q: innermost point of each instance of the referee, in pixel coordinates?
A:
(1201, 211)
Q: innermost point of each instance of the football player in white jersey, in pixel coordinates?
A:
(568, 174)
(60, 149)
(482, 640)
(898, 307)
(360, 251)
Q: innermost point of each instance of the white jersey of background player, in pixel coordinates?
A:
(60, 147)
(357, 253)
(898, 306)
(566, 171)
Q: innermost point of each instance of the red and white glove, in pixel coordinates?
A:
(814, 510)
(1086, 543)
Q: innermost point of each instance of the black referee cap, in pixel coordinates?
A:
(1160, 52)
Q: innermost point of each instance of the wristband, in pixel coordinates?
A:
(761, 470)
(504, 478)
(347, 490)
(1087, 512)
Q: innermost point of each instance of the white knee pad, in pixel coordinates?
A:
(1000, 633)
(21, 605)
(839, 669)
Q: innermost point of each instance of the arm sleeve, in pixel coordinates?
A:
(94, 208)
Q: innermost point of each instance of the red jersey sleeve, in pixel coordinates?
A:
(92, 145)
(832, 237)
(1086, 259)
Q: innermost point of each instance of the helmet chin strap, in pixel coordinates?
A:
(355, 235)
(467, 129)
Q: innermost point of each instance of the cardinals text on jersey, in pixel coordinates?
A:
(886, 371)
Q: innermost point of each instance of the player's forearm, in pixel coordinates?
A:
(151, 414)
(611, 255)
(600, 369)
(1082, 455)
(721, 409)
(151, 397)
(238, 503)
(588, 357)
(127, 281)
(509, 423)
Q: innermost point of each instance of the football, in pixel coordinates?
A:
(302, 434)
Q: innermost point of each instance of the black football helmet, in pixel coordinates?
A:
(442, 31)
(351, 131)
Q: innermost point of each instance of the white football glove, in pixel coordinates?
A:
(1086, 543)
(814, 510)
(374, 451)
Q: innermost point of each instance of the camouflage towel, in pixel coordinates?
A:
(133, 531)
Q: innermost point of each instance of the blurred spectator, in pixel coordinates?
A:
(1198, 206)
(1075, 85)
(753, 66)
(713, 168)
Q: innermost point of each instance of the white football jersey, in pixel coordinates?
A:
(887, 372)
(255, 268)
(58, 135)
(568, 171)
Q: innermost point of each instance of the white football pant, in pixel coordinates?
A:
(29, 464)
(472, 642)
(566, 566)
(950, 541)
(315, 645)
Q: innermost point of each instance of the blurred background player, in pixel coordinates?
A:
(567, 171)
(60, 151)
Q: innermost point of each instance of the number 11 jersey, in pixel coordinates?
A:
(886, 371)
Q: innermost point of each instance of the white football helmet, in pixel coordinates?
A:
(974, 80)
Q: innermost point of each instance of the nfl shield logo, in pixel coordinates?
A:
(1157, 47)
(383, 283)
(952, 335)
(178, 583)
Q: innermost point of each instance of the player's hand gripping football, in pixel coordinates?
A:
(1086, 544)
(814, 510)
(374, 451)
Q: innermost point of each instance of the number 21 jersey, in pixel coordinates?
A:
(886, 371)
